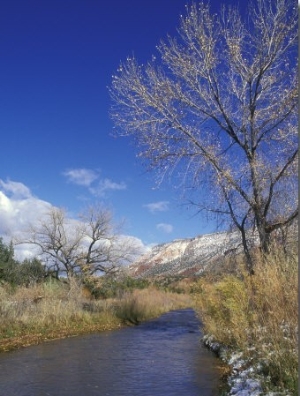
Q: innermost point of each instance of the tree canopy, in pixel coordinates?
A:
(217, 110)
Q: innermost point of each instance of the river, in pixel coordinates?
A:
(162, 357)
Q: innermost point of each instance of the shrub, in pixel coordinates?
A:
(31, 271)
(110, 287)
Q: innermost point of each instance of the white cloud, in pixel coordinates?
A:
(15, 189)
(135, 247)
(106, 185)
(18, 209)
(90, 178)
(167, 228)
(81, 176)
(161, 206)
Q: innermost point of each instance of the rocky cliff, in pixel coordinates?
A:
(185, 257)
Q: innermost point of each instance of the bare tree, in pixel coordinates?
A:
(219, 107)
(106, 249)
(85, 247)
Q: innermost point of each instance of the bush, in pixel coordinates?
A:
(109, 287)
(28, 272)
(224, 309)
(31, 271)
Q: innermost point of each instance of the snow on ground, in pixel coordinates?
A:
(244, 379)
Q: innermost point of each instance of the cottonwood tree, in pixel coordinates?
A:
(84, 247)
(217, 110)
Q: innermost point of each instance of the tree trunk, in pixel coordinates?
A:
(249, 259)
(263, 235)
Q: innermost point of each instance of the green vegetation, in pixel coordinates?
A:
(257, 315)
(110, 287)
(15, 273)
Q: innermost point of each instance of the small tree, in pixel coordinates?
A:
(8, 264)
(31, 271)
(220, 107)
(80, 247)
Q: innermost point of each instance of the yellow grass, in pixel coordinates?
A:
(258, 315)
(55, 310)
(145, 304)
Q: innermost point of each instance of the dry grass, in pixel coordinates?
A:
(31, 315)
(55, 310)
(145, 304)
(257, 315)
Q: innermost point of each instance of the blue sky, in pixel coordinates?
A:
(58, 57)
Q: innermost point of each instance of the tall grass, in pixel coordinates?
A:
(55, 310)
(141, 305)
(257, 315)
(47, 311)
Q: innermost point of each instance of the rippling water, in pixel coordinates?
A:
(162, 357)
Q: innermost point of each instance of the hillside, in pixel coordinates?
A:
(185, 257)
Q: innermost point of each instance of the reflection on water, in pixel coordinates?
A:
(162, 357)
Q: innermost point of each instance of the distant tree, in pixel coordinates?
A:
(31, 271)
(6, 252)
(219, 106)
(8, 264)
(83, 247)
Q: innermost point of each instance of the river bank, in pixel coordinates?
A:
(251, 322)
(51, 310)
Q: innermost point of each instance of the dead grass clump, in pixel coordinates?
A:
(148, 303)
(258, 315)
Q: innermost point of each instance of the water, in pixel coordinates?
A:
(163, 357)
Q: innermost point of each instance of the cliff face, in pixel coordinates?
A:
(185, 257)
